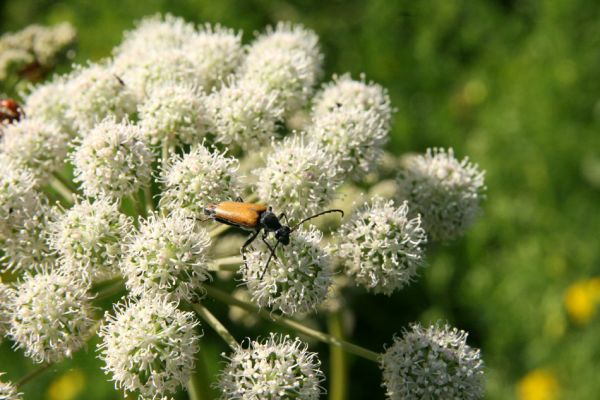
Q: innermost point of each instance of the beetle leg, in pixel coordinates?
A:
(269, 260)
(286, 218)
(239, 199)
(264, 239)
(246, 244)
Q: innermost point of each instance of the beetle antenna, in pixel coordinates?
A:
(264, 271)
(315, 216)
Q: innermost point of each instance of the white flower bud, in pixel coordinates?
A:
(167, 257)
(49, 102)
(113, 160)
(216, 52)
(37, 145)
(96, 92)
(446, 192)
(199, 178)
(297, 281)
(381, 247)
(299, 178)
(277, 368)
(288, 61)
(344, 92)
(174, 112)
(149, 346)
(89, 237)
(432, 363)
(352, 136)
(245, 113)
(52, 316)
(6, 295)
(8, 391)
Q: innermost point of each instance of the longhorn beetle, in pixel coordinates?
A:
(10, 110)
(257, 218)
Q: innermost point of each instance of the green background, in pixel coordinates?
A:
(514, 85)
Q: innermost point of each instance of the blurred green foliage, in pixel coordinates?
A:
(514, 85)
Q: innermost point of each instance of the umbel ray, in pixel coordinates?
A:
(256, 218)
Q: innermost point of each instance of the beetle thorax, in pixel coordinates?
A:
(269, 221)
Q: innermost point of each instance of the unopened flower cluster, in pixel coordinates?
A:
(184, 116)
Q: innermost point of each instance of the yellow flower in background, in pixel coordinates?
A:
(67, 386)
(539, 384)
(581, 300)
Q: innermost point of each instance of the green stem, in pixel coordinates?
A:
(216, 325)
(338, 362)
(110, 291)
(139, 209)
(213, 233)
(63, 191)
(198, 385)
(32, 375)
(290, 323)
(149, 200)
(67, 183)
(226, 264)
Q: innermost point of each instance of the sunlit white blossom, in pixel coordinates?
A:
(381, 247)
(297, 279)
(432, 363)
(113, 160)
(40, 146)
(89, 238)
(345, 92)
(245, 114)
(96, 92)
(149, 346)
(299, 177)
(288, 61)
(52, 316)
(445, 191)
(167, 257)
(176, 113)
(216, 52)
(199, 178)
(8, 391)
(278, 367)
(6, 295)
(49, 102)
(352, 136)
(18, 196)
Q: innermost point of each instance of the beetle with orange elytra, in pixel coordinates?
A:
(257, 217)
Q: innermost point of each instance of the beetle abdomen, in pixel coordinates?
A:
(244, 215)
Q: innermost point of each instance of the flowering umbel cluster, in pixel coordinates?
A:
(113, 179)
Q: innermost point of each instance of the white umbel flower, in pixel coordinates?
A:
(40, 146)
(288, 61)
(155, 33)
(432, 363)
(216, 52)
(352, 136)
(245, 114)
(167, 257)
(26, 247)
(445, 191)
(149, 346)
(96, 92)
(113, 160)
(157, 68)
(18, 197)
(176, 113)
(299, 177)
(52, 316)
(345, 92)
(279, 367)
(297, 281)
(8, 391)
(6, 295)
(199, 178)
(89, 238)
(49, 102)
(381, 247)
